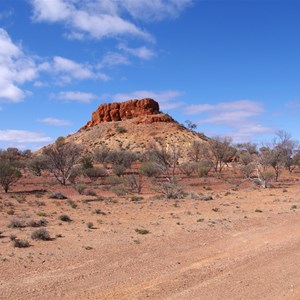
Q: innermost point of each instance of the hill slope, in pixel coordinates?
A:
(133, 125)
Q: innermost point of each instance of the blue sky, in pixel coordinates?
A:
(231, 67)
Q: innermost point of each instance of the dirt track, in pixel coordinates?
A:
(235, 253)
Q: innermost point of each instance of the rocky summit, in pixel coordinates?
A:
(124, 111)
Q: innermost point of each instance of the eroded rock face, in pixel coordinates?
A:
(123, 111)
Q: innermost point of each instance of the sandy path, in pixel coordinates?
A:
(261, 261)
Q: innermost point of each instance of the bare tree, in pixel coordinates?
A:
(167, 159)
(222, 151)
(198, 151)
(190, 125)
(61, 158)
(279, 152)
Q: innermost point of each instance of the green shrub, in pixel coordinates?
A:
(95, 173)
(65, 218)
(90, 225)
(39, 223)
(80, 187)
(17, 243)
(16, 223)
(57, 195)
(41, 234)
(121, 129)
(150, 169)
(141, 231)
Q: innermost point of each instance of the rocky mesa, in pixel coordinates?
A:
(134, 125)
(120, 111)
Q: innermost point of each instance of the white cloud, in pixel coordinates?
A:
(75, 96)
(236, 115)
(69, 70)
(166, 99)
(249, 106)
(55, 122)
(114, 59)
(141, 52)
(51, 11)
(94, 19)
(15, 69)
(250, 131)
(23, 136)
(106, 18)
(293, 104)
(155, 10)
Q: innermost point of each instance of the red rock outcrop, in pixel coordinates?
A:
(123, 111)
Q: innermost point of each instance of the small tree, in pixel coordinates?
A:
(9, 174)
(166, 159)
(190, 125)
(278, 153)
(198, 151)
(222, 152)
(62, 157)
(37, 164)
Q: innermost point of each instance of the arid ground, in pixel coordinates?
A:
(242, 244)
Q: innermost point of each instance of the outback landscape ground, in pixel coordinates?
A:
(149, 209)
(242, 244)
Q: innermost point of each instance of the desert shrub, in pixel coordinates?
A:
(141, 231)
(203, 167)
(12, 237)
(119, 190)
(245, 158)
(90, 225)
(95, 173)
(39, 223)
(136, 198)
(75, 173)
(98, 211)
(125, 158)
(90, 193)
(101, 154)
(114, 180)
(57, 195)
(11, 212)
(170, 190)
(40, 203)
(41, 234)
(9, 174)
(80, 187)
(65, 218)
(247, 170)
(18, 243)
(135, 183)
(119, 170)
(187, 168)
(268, 175)
(71, 203)
(150, 169)
(121, 129)
(41, 214)
(37, 164)
(86, 162)
(16, 223)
